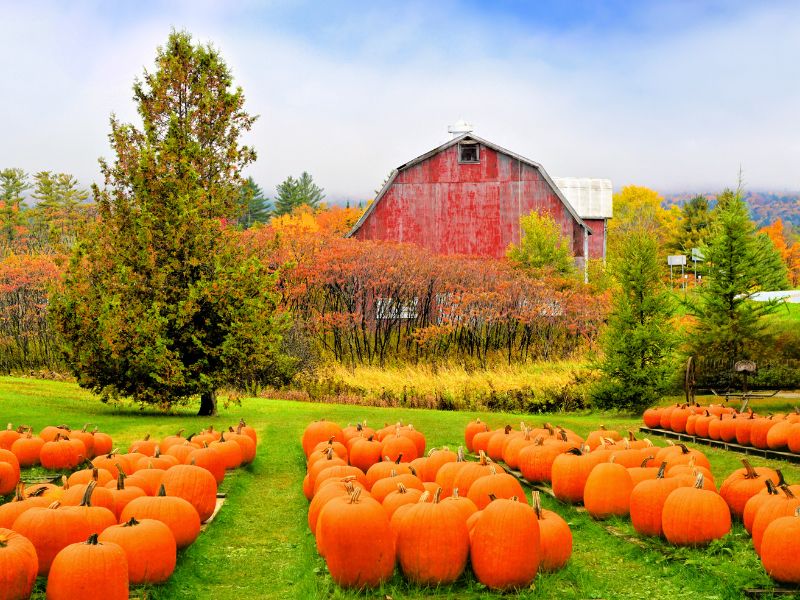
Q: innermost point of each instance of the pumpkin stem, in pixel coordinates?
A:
(162, 490)
(131, 523)
(770, 487)
(399, 459)
(575, 451)
(507, 429)
(781, 480)
(424, 497)
(562, 432)
(661, 470)
(698, 483)
(460, 454)
(146, 437)
(645, 461)
(92, 541)
(492, 497)
(750, 471)
(121, 480)
(684, 449)
(631, 436)
(413, 470)
(785, 489)
(797, 512)
(483, 458)
(87, 495)
(455, 493)
(401, 488)
(537, 504)
(437, 494)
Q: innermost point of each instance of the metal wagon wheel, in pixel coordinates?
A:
(689, 381)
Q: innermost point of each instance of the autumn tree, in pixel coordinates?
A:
(637, 207)
(297, 192)
(160, 302)
(729, 326)
(789, 249)
(639, 340)
(13, 184)
(542, 247)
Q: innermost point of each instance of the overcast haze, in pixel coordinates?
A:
(674, 96)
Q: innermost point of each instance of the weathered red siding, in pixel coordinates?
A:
(454, 208)
(596, 241)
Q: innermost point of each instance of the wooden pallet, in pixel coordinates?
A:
(220, 501)
(683, 437)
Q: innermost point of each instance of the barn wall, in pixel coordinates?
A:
(453, 208)
(596, 240)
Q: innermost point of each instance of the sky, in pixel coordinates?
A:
(677, 96)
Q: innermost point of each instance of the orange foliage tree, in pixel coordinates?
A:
(788, 249)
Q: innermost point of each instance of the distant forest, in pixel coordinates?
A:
(765, 207)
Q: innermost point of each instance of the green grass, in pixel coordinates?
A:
(260, 547)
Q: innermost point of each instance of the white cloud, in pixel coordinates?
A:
(677, 109)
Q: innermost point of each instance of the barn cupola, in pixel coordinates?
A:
(458, 128)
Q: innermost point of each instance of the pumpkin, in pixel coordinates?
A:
(86, 438)
(149, 548)
(462, 503)
(744, 425)
(11, 510)
(195, 485)
(144, 446)
(435, 461)
(447, 473)
(338, 472)
(608, 491)
(779, 505)
(8, 436)
(49, 433)
(555, 537)
(693, 516)
(230, 451)
(147, 479)
(678, 418)
(432, 541)
(480, 441)
(89, 567)
(401, 497)
(396, 445)
(778, 435)
(210, 459)
(595, 438)
(755, 502)
(180, 516)
(494, 485)
(18, 566)
(182, 451)
(356, 540)
(569, 474)
(652, 418)
(59, 454)
(8, 478)
(365, 452)
(384, 469)
(472, 471)
(387, 485)
(498, 442)
(319, 431)
(505, 545)
(473, 427)
(647, 502)
(157, 461)
(780, 546)
(245, 429)
(744, 483)
(122, 494)
(84, 476)
(50, 530)
(76, 495)
(246, 445)
(171, 440)
(96, 518)
(113, 463)
(320, 451)
(27, 448)
(334, 489)
(536, 461)
(759, 431)
(102, 442)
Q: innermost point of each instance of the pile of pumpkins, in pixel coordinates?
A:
(123, 516)
(668, 491)
(780, 432)
(377, 499)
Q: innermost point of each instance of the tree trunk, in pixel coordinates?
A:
(208, 404)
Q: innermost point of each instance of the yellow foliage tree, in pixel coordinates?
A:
(639, 208)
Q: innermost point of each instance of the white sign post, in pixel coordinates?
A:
(673, 260)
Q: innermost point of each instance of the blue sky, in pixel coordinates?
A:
(672, 95)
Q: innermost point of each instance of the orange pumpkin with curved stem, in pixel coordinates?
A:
(171, 440)
(555, 537)
(245, 429)
(247, 445)
(354, 536)
(18, 565)
(182, 451)
(754, 503)
(364, 452)
(147, 479)
(210, 459)
(744, 483)
(122, 494)
(536, 461)
(447, 473)
(595, 438)
(647, 502)
(395, 445)
(113, 462)
(178, 514)
(18, 505)
(8, 436)
(84, 476)
(472, 471)
(384, 469)
(436, 459)
(333, 489)
(505, 546)
(693, 516)
(75, 495)
(320, 431)
(338, 472)
(59, 454)
(86, 438)
(569, 473)
(78, 563)
(498, 442)
(96, 517)
(157, 461)
(102, 442)
(149, 547)
(401, 497)
(783, 504)
(387, 485)
(320, 451)
(432, 542)
(144, 446)
(231, 452)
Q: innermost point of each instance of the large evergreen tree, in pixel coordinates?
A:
(160, 302)
(738, 263)
(693, 225)
(297, 192)
(254, 206)
(60, 210)
(639, 340)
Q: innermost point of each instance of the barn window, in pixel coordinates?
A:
(468, 152)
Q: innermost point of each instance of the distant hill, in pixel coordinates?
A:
(765, 207)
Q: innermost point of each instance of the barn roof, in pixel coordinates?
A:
(453, 142)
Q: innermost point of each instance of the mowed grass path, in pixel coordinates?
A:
(260, 546)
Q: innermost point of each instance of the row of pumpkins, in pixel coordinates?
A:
(717, 422)
(667, 491)
(124, 516)
(377, 500)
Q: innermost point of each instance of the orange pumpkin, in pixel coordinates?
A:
(149, 548)
(78, 563)
(18, 565)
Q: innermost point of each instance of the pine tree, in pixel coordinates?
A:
(639, 340)
(731, 327)
(541, 246)
(254, 206)
(13, 184)
(160, 301)
(693, 225)
(60, 211)
(297, 192)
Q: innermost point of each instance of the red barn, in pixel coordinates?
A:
(467, 196)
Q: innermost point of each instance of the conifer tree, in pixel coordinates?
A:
(639, 340)
(160, 302)
(297, 192)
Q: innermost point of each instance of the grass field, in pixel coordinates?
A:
(260, 547)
